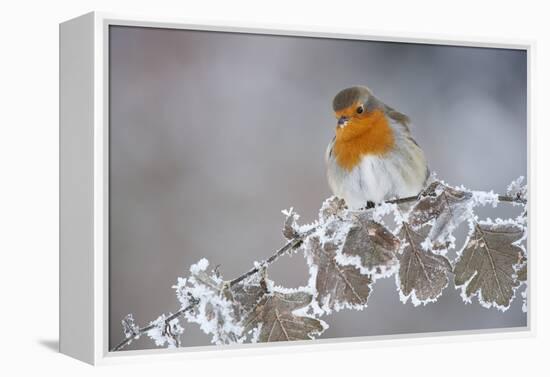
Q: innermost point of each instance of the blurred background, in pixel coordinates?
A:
(213, 134)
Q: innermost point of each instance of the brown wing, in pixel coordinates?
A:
(397, 116)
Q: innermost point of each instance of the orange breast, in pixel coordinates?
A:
(369, 134)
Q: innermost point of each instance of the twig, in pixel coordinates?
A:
(291, 245)
(512, 199)
(501, 198)
(167, 320)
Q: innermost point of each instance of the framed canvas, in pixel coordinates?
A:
(236, 189)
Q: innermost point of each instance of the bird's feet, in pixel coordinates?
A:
(369, 205)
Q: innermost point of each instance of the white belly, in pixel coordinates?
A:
(377, 179)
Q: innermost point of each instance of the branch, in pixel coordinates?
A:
(501, 198)
(512, 199)
(143, 330)
(291, 245)
(297, 241)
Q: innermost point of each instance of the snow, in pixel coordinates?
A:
(163, 333)
(383, 209)
(129, 326)
(462, 288)
(289, 212)
(517, 188)
(255, 333)
(213, 313)
(313, 270)
(201, 265)
(378, 272)
(524, 296)
(482, 198)
(298, 229)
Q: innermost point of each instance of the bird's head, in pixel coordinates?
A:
(356, 110)
(362, 128)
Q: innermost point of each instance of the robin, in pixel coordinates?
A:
(372, 157)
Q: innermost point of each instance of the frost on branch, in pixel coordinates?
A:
(517, 189)
(347, 251)
(129, 326)
(219, 309)
(244, 311)
(165, 332)
(486, 265)
(214, 312)
(291, 229)
(422, 273)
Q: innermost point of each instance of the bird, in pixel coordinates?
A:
(372, 157)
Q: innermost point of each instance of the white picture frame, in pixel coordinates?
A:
(84, 199)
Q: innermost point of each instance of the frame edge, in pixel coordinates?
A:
(76, 180)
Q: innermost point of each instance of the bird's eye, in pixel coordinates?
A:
(360, 109)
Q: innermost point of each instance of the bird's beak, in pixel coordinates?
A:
(342, 122)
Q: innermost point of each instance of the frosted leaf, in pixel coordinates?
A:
(220, 308)
(129, 326)
(331, 208)
(517, 189)
(214, 312)
(246, 294)
(444, 207)
(370, 246)
(346, 253)
(274, 318)
(336, 286)
(486, 265)
(290, 227)
(422, 273)
(164, 332)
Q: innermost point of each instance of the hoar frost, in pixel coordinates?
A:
(214, 313)
(347, 251)
(129, 326)
(165, 332)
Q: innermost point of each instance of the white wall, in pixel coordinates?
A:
(29, 189)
